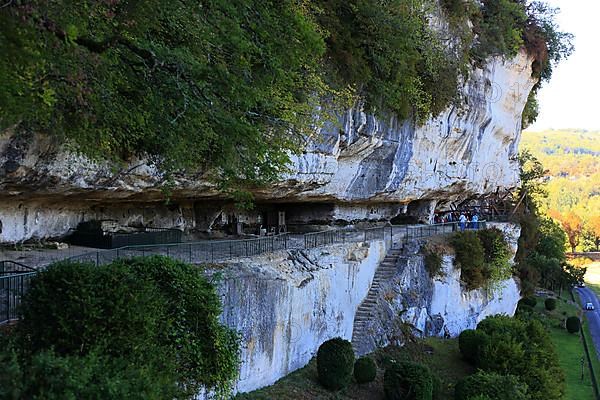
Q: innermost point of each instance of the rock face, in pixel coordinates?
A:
(286, 304)
(414, 303)
(367, 167)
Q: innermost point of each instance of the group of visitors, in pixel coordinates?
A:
(466, 220)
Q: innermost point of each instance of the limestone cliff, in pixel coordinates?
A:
(286, 304)
(356, 163)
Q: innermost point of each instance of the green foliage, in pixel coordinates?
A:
(483, 257)
(365, 370)
(499, 28)
(50, 376)
(573, 324)
(407, 381)
(496, 253)
(155, 313)
(211, 85)
(492, 386)
(229, 89)
(550, 304)
(433, 261)
(389, 54)
(530, 301)
(471, 344)
(522, 348)
(335, 361)
(470, 255)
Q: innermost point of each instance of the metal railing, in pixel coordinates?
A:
(15, 277)
(14, 282)
(415, 232)
(208, 251)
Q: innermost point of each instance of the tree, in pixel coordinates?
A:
(573, 226)
(593, 228)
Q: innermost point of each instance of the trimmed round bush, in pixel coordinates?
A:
(471, 344)
(528, 301)
(573, 324)
(335, 361)
(365, 370)
(490, 385)
(153, 312)
(408, 381)
(550, 304)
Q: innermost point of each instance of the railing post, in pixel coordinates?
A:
(190, 253)
(8, 298)
(97, 258)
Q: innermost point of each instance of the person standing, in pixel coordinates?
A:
(462, 222)
(475, 221)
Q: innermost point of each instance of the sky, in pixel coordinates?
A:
(572, 98)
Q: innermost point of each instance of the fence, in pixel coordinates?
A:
(324, 238)
(415, 232)
(208, 251)
(15, 277)
(14, 282)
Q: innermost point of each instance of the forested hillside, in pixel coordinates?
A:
(572, 160)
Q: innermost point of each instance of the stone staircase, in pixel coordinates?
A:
(361, 340)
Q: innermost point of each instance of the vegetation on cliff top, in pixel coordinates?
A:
(231, 88)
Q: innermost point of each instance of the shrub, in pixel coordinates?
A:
(471, 258)
(573, 324)
(50, 376)
(471, 344)
(153, 312)
(529, 301)
(522, 348)
(365, 370)
(335, 360)
(407, 381)
(496, 253)
(550, 304)
(433, 261)
(492, 386)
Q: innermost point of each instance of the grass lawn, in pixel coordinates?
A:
(569, 348)
(442, 356)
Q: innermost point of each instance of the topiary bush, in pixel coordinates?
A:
(471, 344)
(490, 385)
(408, 381)
(156, 313)
(573, 324)
(528, 301)
(550, 304)
(365, 370)
(335, 361)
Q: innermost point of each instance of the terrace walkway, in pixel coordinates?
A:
(13, 286)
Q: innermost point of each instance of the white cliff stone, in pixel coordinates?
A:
(359, 161)
(286, 304)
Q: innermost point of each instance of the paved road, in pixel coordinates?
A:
(593, 317)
